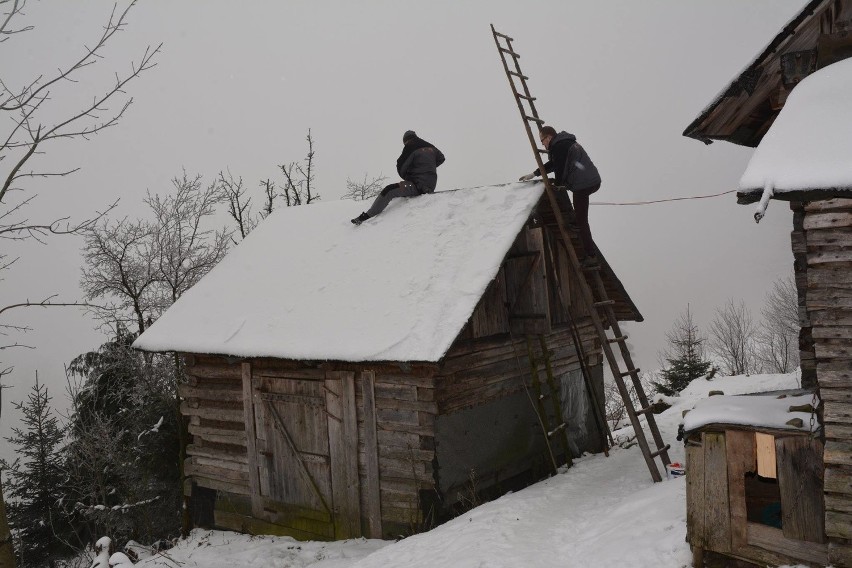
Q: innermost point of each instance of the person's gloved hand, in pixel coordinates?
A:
(527, 177)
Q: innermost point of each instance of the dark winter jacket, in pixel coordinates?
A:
(571, 165)
(418, 164)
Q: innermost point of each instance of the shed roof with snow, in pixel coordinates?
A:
(805, 153)
(306, 284)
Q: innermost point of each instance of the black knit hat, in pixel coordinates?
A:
(409, 134)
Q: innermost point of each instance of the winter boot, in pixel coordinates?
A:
(360, 219)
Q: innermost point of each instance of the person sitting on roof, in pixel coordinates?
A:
(416, 166)
(575, 172)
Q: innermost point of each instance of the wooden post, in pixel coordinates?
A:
(371, 449)
(251, 437)
(343, 450)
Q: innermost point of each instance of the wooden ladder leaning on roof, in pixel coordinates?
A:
(593, 294)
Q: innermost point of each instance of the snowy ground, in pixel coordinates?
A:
(604, 511)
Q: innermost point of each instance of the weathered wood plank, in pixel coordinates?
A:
(838, 480)
(800, 480)
(225, 414)
(222, 485)
(840, 555)
(838, 525)
(229, 393)
(740, 448)
(370, 482)
(834, 378)
(342, 435)
(838, 503)
(252, 525)
(828, 220)
(828, 205)
(230, 435)
(696, 532)
(248, 414)
(416, 405)
(192, 469)
(215, 371)
(838, 431)
(717, 512)
(838, 453)
(395, 391)
(216, 453)
(837, 412)
(772, 539)
(226, 464)
(828, 257)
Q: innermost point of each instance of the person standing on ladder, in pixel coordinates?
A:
(417, 166)
(576, 172)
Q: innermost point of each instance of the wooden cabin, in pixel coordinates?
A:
(372, 381)
(792, 102)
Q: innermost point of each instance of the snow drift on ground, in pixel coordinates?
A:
(603, 512)
(807, 147)
(307, 284)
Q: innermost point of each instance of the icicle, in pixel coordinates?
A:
(768, 192)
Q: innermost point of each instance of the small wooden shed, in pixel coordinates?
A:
(346, 381)
(792, 102)
(754, 479)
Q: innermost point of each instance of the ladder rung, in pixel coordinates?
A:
(503, 35)
(540, 151)
(661, 450)
(516, 74)
(617, 339)
(533, 119)
(629, 372)
(531, 99)
(510, 52)
(645, 410)
(556, 430)
(603, 303)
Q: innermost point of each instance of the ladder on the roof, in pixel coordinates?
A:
(591, 286)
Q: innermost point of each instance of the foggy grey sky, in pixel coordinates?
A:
(238, 85)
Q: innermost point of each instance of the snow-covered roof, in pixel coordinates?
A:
(307, 284)
(807, 147)
(759, 411)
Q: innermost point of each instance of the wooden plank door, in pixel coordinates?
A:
(307, 444)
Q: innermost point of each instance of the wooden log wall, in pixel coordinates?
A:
(395, 413)
(827, 238)
(213, 402)
(477, 371)
(404, 425)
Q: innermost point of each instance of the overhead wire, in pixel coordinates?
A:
(662, 200)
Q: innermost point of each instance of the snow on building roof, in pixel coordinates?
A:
(760, 411)
(307, 284)
(807, 147)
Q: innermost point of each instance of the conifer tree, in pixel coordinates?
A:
(684, 357)
(33, 484)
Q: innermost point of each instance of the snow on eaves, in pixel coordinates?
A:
(807, 147)
(307, 284)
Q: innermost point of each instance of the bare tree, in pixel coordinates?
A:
(733, 336)
(27, 134)
(299, 178)
(364, 189)
(185, 249)
(120, 267)
(778, 337)
(235, 195)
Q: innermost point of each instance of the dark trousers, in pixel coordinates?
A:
(580, 208)
(401, 189)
